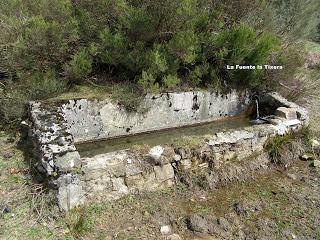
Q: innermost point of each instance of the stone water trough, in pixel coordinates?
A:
(58, 130)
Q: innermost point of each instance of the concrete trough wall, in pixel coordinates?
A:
(91, 120)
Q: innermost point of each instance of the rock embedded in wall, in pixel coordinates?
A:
(68, 161)
(274, 100)
(164, 173)
(70, 191)
(287, 113)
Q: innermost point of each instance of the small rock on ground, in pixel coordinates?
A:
(202, 225)
(306, 157)
(156, 152)
(292, 176)
(173, 237)
(165, 230)
(316, 163)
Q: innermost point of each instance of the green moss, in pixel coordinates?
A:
(189, 141)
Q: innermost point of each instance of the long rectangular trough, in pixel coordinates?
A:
(93, 150)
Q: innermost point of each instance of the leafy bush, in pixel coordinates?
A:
(42, 85)
(46, 40)
(14, 96)
(80, 65)
(11, 107)
(190, 51)
(242, 45)
(287, 82)
(140, 41)
(291, 19)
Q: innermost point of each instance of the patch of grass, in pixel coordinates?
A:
(128, 95)
(96, 207)
(202, 209)
(84, 91)
(312, 47)
(143, 148)
(79, 221)
(276, 146)
(283, 149)
(318, 233)
(12, 165)
(24, 212)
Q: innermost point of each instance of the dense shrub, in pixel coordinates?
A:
(38, 85)
(242, 45)
(79, 66)
(158, 44)
(47, 45)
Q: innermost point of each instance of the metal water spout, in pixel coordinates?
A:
(255, 100)
(257, 109)
(258, 119)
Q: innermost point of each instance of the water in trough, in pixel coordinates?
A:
(162, 137)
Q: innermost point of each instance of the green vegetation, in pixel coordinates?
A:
(127, 94)
(49, 46)
(188, 141)
(79, 222)
(283, 149)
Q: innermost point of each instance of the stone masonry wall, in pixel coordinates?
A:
(272, 101)
(112, 175)
(56, 127)
(54, 144)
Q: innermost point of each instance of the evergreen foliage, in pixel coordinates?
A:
(48, 45)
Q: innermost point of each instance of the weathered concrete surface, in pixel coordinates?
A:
(70, 191)
(91, 120)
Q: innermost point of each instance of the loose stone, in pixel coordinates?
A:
(165, 230)
(316, 163)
